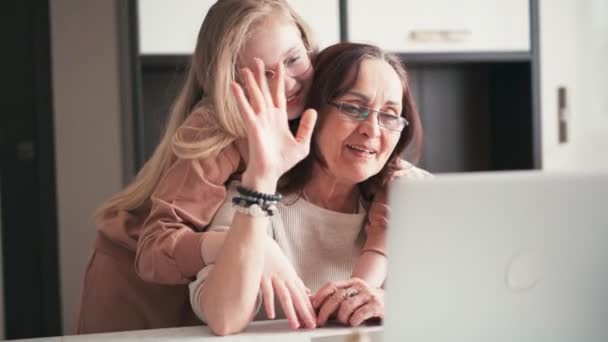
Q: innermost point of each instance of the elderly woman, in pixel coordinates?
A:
(310, 231)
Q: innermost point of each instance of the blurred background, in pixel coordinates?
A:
(500, 85)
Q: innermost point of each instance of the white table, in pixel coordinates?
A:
(267, 331)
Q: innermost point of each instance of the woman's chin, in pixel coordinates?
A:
(363, 175)
(357, 177)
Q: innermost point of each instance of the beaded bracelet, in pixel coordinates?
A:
(256, 194)
(248, 200)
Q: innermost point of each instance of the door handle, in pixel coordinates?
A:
(562, 115)
(23, 151)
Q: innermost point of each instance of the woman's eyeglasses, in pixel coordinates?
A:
(359, 113)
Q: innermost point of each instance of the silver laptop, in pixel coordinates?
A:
(519, 256)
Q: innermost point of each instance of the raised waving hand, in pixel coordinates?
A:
(273, 149)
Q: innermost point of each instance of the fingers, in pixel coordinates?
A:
(398, 174)
(304, 288)
(256, 98)
(330, 306)
(345, 298)
(303, 307)
(379, 214)
(278, 89)
(268, 295)
(307, 126)
(323, 293)
(241, 99)
(260, 95)
(260, 73)
(403, 169)
(348, 306)
(364, 313)
(286, 303)
(330, 289)
(373, 309)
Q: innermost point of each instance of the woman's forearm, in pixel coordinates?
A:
(371, 267)
(230, 291)
(212, 245)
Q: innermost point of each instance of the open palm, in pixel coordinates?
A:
(273, 149)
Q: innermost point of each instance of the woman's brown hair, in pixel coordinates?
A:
(336, 70)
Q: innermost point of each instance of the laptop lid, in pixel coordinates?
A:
(519, 256)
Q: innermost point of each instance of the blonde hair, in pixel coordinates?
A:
(223, 35)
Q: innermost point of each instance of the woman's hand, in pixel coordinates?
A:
(280, 279)
(353, 302)
(273, 149)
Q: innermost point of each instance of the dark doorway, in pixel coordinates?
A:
(27, 176)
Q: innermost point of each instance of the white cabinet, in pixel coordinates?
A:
(171, 27)
(573, 56)
(323, 16)
(429, 26)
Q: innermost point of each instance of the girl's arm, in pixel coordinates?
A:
(185, 201)
(229, 293)
(372, 263)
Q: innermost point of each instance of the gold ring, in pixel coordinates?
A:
(348, 293)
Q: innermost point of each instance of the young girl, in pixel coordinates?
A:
(150, 243)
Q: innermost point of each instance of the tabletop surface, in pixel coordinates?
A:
(258, 331)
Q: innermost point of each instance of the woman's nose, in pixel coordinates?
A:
(370, 126)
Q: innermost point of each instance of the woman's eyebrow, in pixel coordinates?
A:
(367, 99)
(359, 95)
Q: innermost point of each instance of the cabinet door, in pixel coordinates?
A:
(574, 52)
(167, 27)
(170, 27)
(441, 25)
(323, 16)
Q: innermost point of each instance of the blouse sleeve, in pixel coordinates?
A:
(185, 201)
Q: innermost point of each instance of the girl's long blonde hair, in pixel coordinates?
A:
(224, 33)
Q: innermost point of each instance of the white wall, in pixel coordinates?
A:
(86, 96)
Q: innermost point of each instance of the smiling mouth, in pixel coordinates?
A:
(293, 97)
(361, 149)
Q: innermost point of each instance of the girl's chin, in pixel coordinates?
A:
(295, 111)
